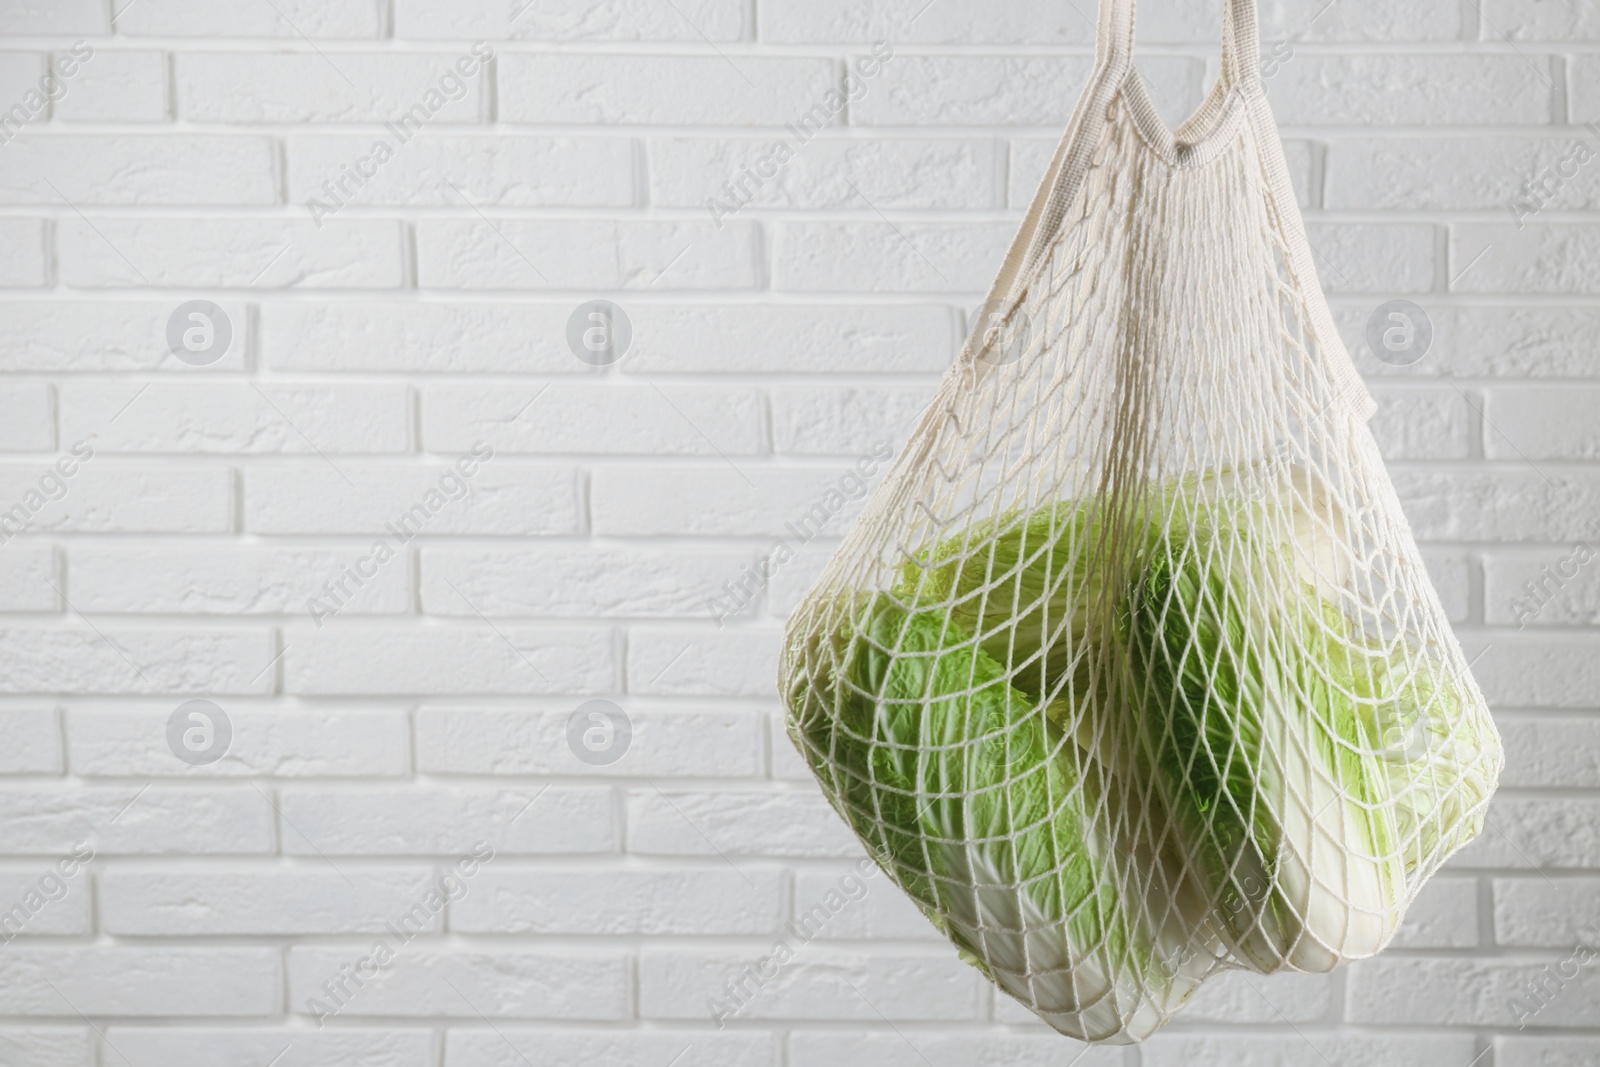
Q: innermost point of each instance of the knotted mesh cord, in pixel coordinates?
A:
(1131, 673)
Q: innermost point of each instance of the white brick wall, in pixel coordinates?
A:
(381, 734)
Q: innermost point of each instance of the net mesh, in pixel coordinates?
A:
(1130, 673)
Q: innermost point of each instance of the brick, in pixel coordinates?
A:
(1583, 78)
(327, 86)
(500, 170)
(1451, 573)
(691, 744)
(116, 86)
(1472, 172)
(22, 74)
(22, 253)
(827, 173)
(344, 1046)
(786, 762)
(1549, 833)
(624, 582)
(698, 662)
(876, 908)
(1413, 90)
(620, 902)
(1021, 90)
(1356, 257)
(1444, 915)
(573, 20)
(119, 659)
(102, 498)
(673, 501)
(31, 579)
(931, 1048)
(66, 909)
(506, 1046)
(1529, 20)
(33, 741)
(27, 417)
(68, 337)
(400, 337)
(1545, 422)
(237, 580)
(793, 580)
(1552, 586)
(834, 420)
(106, 980)
(1308, 1048)
(47, 1046)
(156, 168)
(791, 340)
(261, 901)
(1513, 503)
(283, 18)
(1424, 422)
(499, 984)
(1543, 672)
(230, 418)
(1484, 342)
(609, 419)
(470, 659)
(1545, 1051)
(443, 821)
(1239, 997)
(282, 743)
(958, 22)
(1543, 913)
(1552, 258)
(679, 823)
(1550, 752)
(28, 18)
(231, 253)
(583, 254)
(905, 986)
(1463, 992)
(1357, 20)
(882, 257)
(499, 497)
(135, 819)
(608, 90)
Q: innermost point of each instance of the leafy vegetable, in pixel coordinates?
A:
(955, 781)
(1106, 744)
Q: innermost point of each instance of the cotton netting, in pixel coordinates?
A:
(1130, 672)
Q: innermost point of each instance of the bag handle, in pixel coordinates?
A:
(1114, 43)
(1241, 41)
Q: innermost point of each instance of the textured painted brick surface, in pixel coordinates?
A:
(1545, 751)
(572, 20)
(608, 90)
(694, 744)
(471, 984)
(395, 697)
(504, 171)
(35, 741)
(347, 1046)
(1535, 913)
(295, 744)
(716, 901)
(510, 1046)
(821, 984)
(143, 902)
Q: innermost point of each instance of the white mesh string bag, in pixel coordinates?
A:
(1130, 672)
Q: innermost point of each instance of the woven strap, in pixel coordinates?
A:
(1241, 41)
